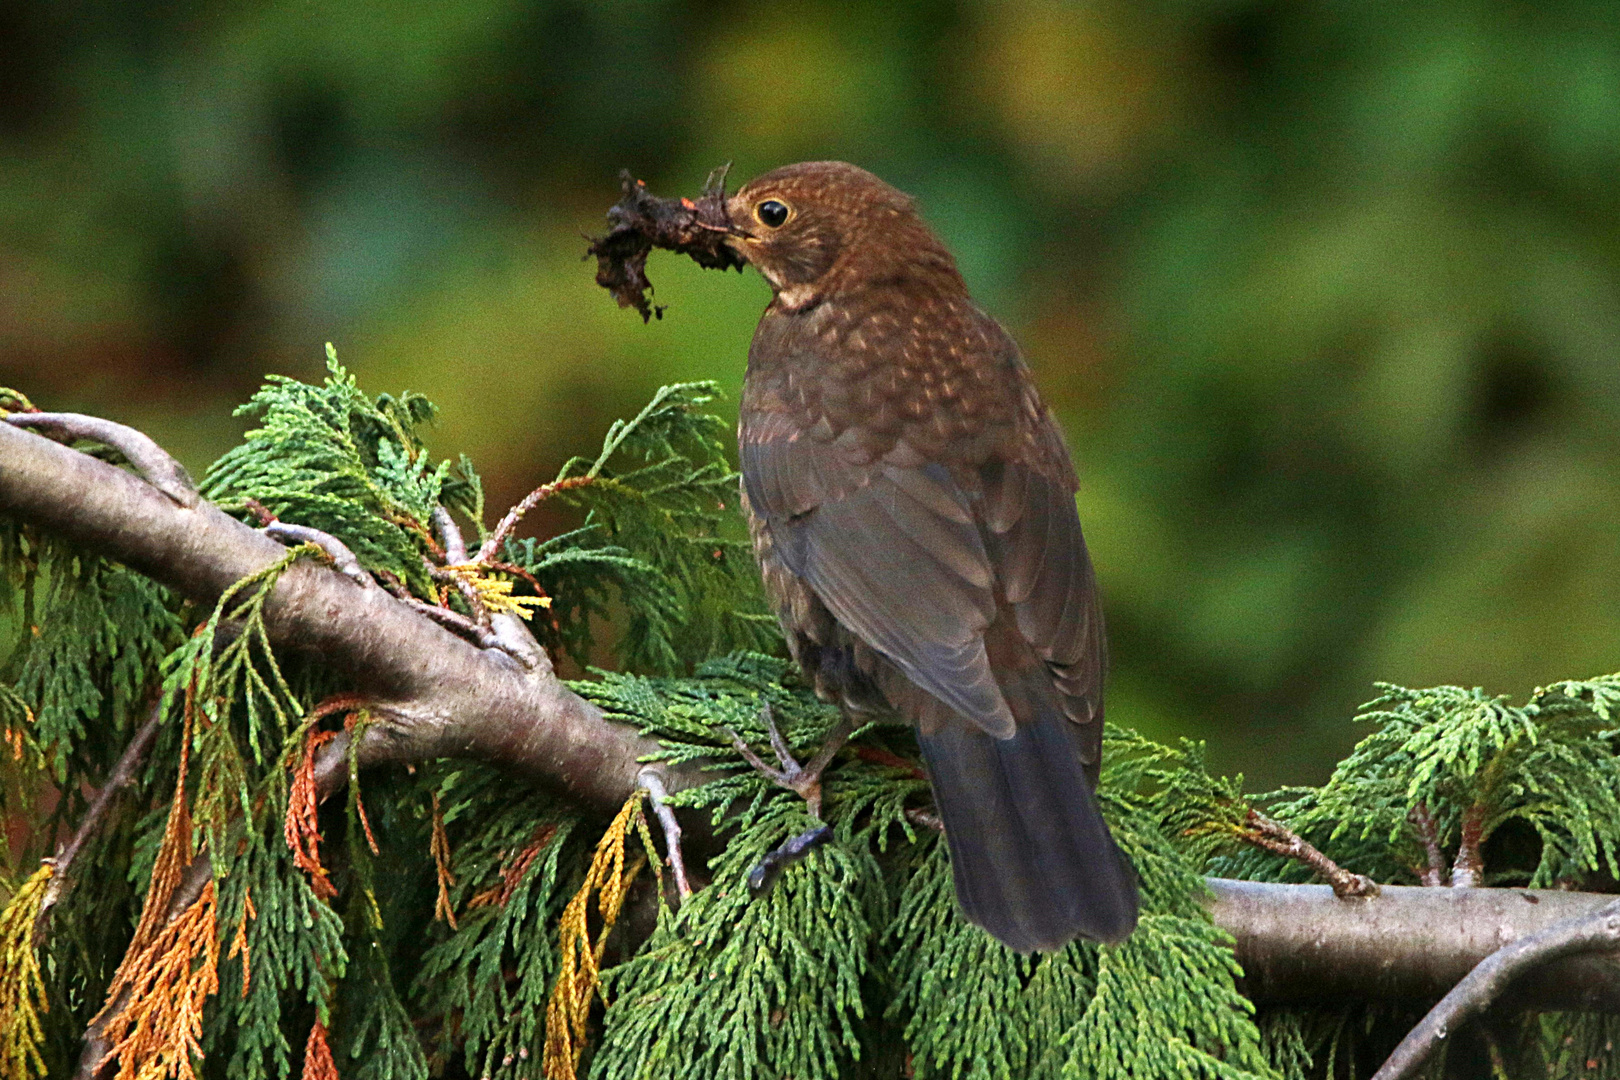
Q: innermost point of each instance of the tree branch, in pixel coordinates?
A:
(1469, 865)
(1273, 836)
(146, 456)
(437, 696)
(1434, 874)
(1597, 931)
(122, 774)
(1300, 944)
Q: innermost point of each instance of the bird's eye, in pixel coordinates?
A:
(771, 213)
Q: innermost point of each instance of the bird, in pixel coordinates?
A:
(911, 504)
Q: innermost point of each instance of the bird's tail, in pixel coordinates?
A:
(1034, 863)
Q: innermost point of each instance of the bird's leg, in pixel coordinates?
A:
(804, 780)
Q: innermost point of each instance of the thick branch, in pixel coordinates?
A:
(436, 695)
(1300, 944)
(1597, 931)
(151, 460)
(439, 696)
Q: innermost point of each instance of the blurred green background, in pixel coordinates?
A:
(1325, 293)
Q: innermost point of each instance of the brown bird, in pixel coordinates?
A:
(911, 503)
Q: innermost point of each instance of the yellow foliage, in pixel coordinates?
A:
(496, 593)
(579, 971)
(22, 991)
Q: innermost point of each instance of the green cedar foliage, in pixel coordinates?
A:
(513, 857)
(1535, 784)
(438, 952)
(661, 537)
(734, 985)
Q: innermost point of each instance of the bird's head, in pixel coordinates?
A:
(812, 227)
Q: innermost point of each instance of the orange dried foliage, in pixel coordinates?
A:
(302, 829)
(239, 944)
(158, 1032)
(318, 1063)
(513, 870)
(153, 1016)
(440, 846)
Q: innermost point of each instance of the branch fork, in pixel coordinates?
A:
(149, 459)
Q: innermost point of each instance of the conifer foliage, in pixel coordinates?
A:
(444, 920)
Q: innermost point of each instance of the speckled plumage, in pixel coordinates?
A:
(911, 502)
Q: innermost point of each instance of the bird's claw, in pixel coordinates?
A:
(768, 869)
(802, 780)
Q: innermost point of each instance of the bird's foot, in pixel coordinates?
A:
(804, 780)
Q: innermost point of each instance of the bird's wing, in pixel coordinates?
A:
(907, 560)
(1032, 534)
(894, 553)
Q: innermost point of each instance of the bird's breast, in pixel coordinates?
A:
(889, 372)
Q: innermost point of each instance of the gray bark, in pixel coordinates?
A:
(1300, 944)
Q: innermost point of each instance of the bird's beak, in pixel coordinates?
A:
(739, 236)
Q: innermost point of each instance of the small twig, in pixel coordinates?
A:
(492, 545)
(748, 755)
(925, 819)
(459, 582)
(149, 459)
(512, 636)
(1279, 839)
(406, 521)
(445, 617)
(518, 571)
(336, 550)
(122, 775)
(1469, 866)
(450, 620)
(1434, 875)
(260, 511)
(506, 634)
(653, 781)
(455, 548)
(1599, 931)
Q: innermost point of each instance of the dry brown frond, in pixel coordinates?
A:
(318, 1063)
(302, 828)
(440, 847)
(513, 870)
(239, 943)
(164, 985)
(579, 972)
